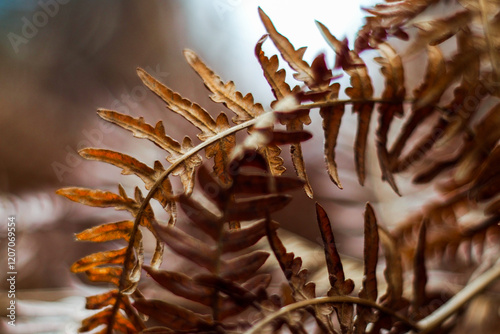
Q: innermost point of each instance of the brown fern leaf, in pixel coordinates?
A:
(369, 288)
(435, 70)
(396, 14)
(122, 318)
(157, 135)
(200, 118)
(293, 57)
(339, 285)
(394, 90)
(361, 89)
(281, 89)
(437, 31)
(459, 113)
(192, 112)
(332, 117)
(393, 272)
(221, 150)
(486, 138)
(454, 69)
(131, 165)
(100, 198)
(226, 93)
(175, 317)
(420, 277)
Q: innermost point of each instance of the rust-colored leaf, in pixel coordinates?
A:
(226, 93)
(284, 259)
(370, 252)
(236, 292)
(333, 261)
(437, 31)
(243, 267)
(275, 162)
(240, 239)
(487, 132)
(281, 89)
(114, 320)
(102, 300)
(435, 70)
(332, 117)
(181, 285)
(361, 89)
(221, 150)
(187, 246)
(97, 259)
(275, 77)
(131, 165)
(298, 158)
(393, 271)
(397, 13)
(104, 274)
(394, 90)
(262, 184)
(290, 55)
(98, 198)
(204, 219)
(141, 129)
(174, 317)
(107, 232)
(339, 285)
(187, 168)
(420, 275)
(256, 207)
(369, 287)
(289, 137)
(98, 319)
(192, 112)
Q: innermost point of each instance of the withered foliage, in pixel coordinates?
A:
(449, 136)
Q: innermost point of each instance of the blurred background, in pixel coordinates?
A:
(60, 60)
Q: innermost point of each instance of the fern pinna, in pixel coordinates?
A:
(233, 208)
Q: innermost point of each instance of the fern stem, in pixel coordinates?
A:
(337, 102)
(465, 295)
(327, 300)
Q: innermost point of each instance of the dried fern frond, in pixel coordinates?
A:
(246, 184)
